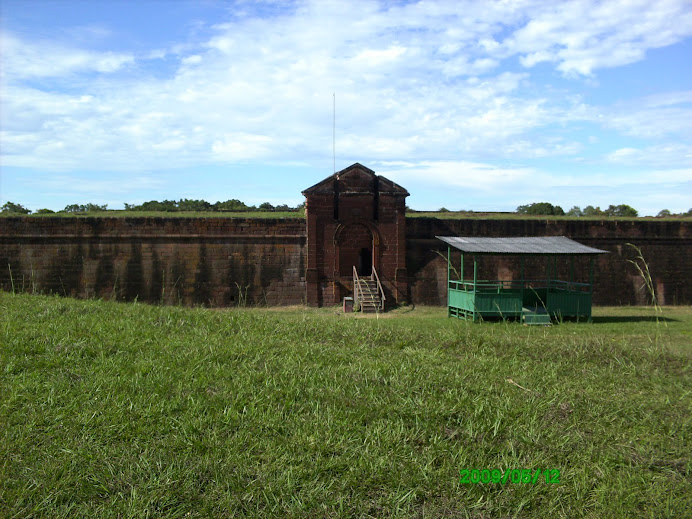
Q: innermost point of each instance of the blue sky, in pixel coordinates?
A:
(469, 105)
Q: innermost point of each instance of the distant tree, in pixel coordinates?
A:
(185, 204)
(84, 208)
(575, 211)
(590, 210)
(166, 205)
(193, 205)
(230, 205)
(663, 213)
(541, 208)
(155, 205)
(73, 208)
(443, 210)
(621, 210)
(688, 213)
(11, 207)
(45, 211)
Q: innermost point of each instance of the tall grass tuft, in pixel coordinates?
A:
(9, 267)
(242, 295)
(647, 282)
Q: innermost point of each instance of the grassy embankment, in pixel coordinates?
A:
(129, 410)
(168, 214)
(445, 215)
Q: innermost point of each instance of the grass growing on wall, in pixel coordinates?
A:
(129, 410)
(479, 215)
(444, 215)
(169, 214)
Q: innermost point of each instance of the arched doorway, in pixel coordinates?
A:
(355, 249)
(365, 262)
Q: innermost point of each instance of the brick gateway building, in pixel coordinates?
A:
(355, 219)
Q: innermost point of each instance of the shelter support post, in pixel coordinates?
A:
(591, 275)
(591, 263)
(449, 295)
(522, 279)
(475, 280)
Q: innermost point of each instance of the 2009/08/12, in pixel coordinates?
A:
(551, 476)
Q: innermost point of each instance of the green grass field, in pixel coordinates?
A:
(129, 410)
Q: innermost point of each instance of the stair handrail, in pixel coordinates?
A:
(356, 288)
(375, 277)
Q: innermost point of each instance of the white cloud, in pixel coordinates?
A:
(487, 177)
(624, 155)
(195, 59)
(584, 35)
(24, 60)
(378, 57)
(419, 81)
(486, 186)
(459, 174)
(653, 117)
(241, 146)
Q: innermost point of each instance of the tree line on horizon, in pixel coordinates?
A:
(546, 208)
(235, 205)
(182, 205)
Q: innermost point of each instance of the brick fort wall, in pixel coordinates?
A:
(204, 261)
(231, 261)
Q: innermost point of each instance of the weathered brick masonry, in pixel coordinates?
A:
(354, 219)
(209, 261)
(222, 261)
(666, 246)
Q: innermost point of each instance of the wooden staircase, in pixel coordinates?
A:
(368, 294)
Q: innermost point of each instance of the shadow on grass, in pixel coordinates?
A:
(632, 319)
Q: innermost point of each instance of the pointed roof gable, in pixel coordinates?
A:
(356, 172)
(391, 188)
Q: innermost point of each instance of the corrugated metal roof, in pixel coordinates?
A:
(524, 245)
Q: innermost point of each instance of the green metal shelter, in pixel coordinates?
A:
(534, 301)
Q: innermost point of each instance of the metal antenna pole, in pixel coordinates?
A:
(334, 132)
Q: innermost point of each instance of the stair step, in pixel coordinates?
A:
(531, 317)
(367, 294)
